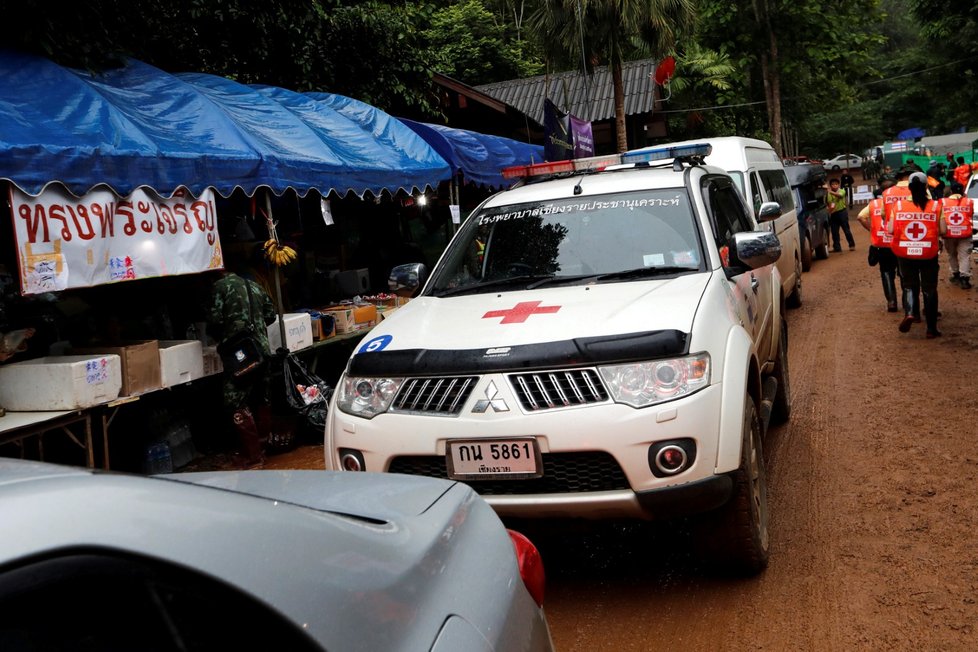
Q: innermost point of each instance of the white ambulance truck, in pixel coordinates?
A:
(604, 341)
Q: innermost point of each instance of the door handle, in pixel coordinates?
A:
(754, 283)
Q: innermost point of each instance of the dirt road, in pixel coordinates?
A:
(873, 487)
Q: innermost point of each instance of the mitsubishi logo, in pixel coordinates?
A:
(490, 401)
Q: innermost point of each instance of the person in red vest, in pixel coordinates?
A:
(962, 172)
(872, 218)
(917, 226)
(958, 211)
(892, 194)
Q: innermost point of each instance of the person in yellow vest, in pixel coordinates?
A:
(872, 218)
(835, 200)
(958, 211)
(917, 226)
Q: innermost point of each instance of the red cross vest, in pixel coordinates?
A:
(915, 231)
(878, 236)
(892, 195)
(958, 212)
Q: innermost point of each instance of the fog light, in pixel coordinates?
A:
(668, 458)
(351, 460)
(671, 459)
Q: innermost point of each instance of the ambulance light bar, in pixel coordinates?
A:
(593, 163)
(666, 153)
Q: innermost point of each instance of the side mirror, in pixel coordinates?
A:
(753, 249)
(769, 210)
(405, 280)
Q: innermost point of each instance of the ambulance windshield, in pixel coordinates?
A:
(607, 238)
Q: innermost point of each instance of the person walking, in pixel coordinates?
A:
(935, 179)
(872, 218)
(900, 189)
(958, 211)
(916, 226)
(238, 306)
(962, 172)
(835, 199)
(847, 183)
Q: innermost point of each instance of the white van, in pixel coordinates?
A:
(759, 174)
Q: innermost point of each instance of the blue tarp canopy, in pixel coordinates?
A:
(480, 157)
(139, 126)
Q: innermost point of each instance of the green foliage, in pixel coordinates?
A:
(468, 43)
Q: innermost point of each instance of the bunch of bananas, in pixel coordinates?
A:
(280, 255)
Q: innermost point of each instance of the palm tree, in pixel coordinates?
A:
(612, 31)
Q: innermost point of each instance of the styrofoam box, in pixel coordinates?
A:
(298, 332)
(61, 382)
(181, 361)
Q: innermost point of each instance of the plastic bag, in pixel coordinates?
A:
(306, 393)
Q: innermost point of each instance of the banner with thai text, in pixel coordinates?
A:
(68, 242)
(581, 136)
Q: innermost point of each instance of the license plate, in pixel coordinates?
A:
(494, 459)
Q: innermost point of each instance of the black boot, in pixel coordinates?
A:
(889, 291)
(247, 431)
(930, 312)
(909, 308)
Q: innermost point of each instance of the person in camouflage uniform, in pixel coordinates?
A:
(229, 313)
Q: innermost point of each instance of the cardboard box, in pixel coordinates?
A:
(62, 382)
(365, 316)
(140, 364)
(181, 361)
(298, 332)
(343, 319)
(212, 361)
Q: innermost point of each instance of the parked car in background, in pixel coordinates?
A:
(260, 560)
(808, 185)
(843, 161)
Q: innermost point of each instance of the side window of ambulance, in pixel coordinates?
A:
(776, 184)
(727, 210)
(755, 193)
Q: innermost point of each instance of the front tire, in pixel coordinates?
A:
(807, 254)
(822, 251)
(734, 538)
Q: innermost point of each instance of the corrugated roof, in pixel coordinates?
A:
(588, 97)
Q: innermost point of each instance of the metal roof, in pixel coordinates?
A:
(585, 96)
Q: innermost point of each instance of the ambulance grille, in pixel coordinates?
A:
(444, 396)
(562, 473)
(545, 390)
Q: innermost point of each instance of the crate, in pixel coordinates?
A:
(64, 382)
(181, 361)
(298, 332)
(140, 364)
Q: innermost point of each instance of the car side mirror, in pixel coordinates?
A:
(769, 210)
(751, 250)
(405, 280)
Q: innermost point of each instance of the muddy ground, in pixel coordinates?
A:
(873, 495)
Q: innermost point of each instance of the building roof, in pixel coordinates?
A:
(585, 96)
(949, 142)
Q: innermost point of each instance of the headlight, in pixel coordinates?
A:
(641, 384)
(367, 397)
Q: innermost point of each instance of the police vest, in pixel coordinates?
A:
(958, 212)
(892, 195)
(915, 231)
(878, 236)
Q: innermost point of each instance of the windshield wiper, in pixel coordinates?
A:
(499, 282)
(641, 272)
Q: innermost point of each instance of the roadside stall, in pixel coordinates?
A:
(116, 183)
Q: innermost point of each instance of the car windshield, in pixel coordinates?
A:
(608, 238)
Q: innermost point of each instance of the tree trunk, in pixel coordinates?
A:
(619, 88)
(775, 98)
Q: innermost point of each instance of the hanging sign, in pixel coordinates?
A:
(68, 242)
